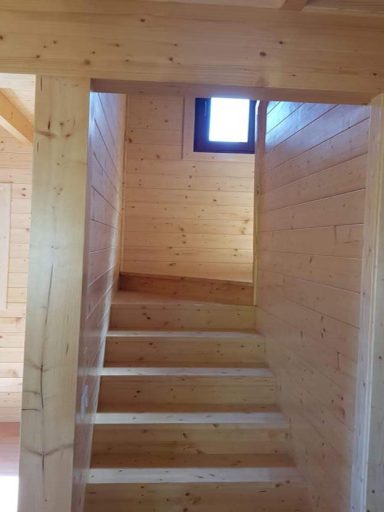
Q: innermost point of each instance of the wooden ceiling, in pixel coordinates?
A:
(20, 90)
(17, 104)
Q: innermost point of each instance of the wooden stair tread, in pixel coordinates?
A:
(185, 335)
(199, 408)
(225, 349)
(256, 475)
(124, 298)
(187, 413)
(170, 372)
(272, 420)
(191, 460)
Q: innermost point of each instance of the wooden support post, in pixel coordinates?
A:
(12, 120)
(368, 470)
(54, 294)
(261, 128)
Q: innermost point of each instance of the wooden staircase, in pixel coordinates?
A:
(187, 417)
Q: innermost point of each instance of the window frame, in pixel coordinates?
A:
(201, 142)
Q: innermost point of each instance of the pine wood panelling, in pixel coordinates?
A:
(182, 217)
(105, 167)
(16, 173)
(5, 227)
(334, 149)
(310, 242)
(367, 484)
(99, 40)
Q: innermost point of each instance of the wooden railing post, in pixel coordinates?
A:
(54, 294)
(368, 469)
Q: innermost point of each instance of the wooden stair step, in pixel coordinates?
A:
(216, 290)
(169, 372)
(123, 388)
(155, 437)
(210, 489)
(192, 348)
(214, 474)
(201, 408)
(273, 419)
(150, 459)
(139, 311)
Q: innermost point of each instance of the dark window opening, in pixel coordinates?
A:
(224, 125)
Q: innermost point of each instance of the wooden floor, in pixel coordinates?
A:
(188, 420)
(9, 449)
(9, 466)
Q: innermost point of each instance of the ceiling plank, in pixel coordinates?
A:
(12, 120)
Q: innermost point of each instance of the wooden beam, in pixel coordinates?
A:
(100, 40)
(368, 482)
(227, 91)
(55, 291)
(12, 120)
(294, 5)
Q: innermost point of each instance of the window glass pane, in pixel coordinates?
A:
(229, 120)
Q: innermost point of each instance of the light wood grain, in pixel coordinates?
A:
(184, 348)
(5, 225)
(294, 5)
(14, 121)
(226, 50)
(105, 168)
(54, 307)
(310, 249)
(169, 199)
(15, 174)
(367, 486)
(213, 290)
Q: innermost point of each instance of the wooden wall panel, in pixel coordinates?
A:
(105, 167)
(15, 170)
(310, 247)
(182, 217)
(368, 482)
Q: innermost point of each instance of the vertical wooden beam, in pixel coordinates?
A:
(261, 129)
(54, 294)
(368, 470)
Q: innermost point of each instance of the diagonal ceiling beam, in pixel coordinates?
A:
(12, 120)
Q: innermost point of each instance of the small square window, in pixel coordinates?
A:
(224, 125)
